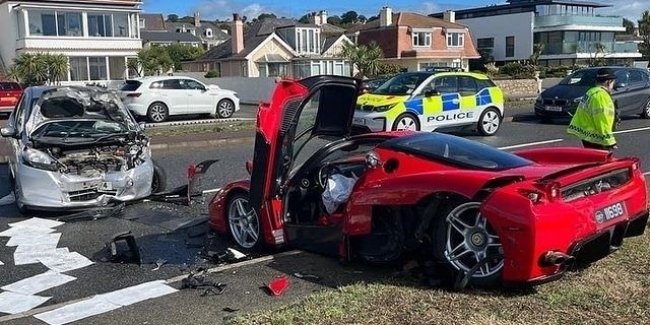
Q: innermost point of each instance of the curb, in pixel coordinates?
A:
(197, 144)
(195, 122)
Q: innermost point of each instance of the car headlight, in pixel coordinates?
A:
(39, 159)
(577, 100)
(384, 108)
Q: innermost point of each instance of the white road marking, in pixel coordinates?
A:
(632, 130)
(212, 190)
(37, 223)
(65, 261)
(646, 174)
(531, 144)
(38, 283)
(15, 303)
(106, 302)
(24, 240)
(2, 263)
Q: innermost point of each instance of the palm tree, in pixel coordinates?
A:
(31, 67)
(57, 67)
(14, 73)
(365, 57)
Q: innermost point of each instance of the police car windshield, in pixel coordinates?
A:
(585, 77)
(402, 84)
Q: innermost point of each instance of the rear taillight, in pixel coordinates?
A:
(133, 95)
(533, 195)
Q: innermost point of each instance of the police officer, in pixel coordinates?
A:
(595, 117)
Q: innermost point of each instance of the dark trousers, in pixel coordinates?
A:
(590, 145)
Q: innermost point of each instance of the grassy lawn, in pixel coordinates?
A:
(200, 128)
(615, 290)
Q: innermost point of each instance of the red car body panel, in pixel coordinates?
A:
(10, 94)
(524, 205)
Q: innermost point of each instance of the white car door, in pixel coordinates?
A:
(174, 95)
(200, 98)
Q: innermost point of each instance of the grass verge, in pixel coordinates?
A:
(200, 129)
(615, 290)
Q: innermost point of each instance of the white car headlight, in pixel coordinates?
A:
(384, 108)
(577, 100)
(39, 159)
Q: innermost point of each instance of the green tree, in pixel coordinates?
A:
(367, 58)
(183, 52)
(334, 20)
(263, 16)
(58, 67)
(644, 31)
(155, 60)
(372, 18)
(173, 18)
(349, 17)
(39, 68)
(538, 48)
(629, 26)
(304, 19)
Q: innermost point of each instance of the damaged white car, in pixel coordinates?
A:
(77, 147)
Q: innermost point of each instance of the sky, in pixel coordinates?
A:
(223, 9)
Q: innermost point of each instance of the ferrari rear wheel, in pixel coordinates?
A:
(467, 245)
(243, 223)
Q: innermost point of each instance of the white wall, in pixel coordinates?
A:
(518, 25)
(9, 34)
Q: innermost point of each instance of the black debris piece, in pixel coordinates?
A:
(307, 276)
(230, 310)
(116, 250)
(198, 281)
(110, 210)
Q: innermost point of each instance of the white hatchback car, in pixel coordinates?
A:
(159, 97)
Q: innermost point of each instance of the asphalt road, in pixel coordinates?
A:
(180, 236)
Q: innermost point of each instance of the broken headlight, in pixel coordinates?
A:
(39, 159)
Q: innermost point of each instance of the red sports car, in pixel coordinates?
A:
(488, 216)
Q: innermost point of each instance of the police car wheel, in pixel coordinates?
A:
(646, 110)
(489, 122)
(406, 122)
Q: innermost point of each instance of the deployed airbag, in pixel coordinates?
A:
(337, 191)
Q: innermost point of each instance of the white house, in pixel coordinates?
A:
(97, 36)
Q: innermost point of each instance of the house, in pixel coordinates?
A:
(98, 37)
(208, 32)
(277, 47)
(569, 30)
(416, 42)
(153, 31)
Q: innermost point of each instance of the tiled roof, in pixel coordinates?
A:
(153, 21)
(409, 19)
(217, 33)
(166, 36)
(331, 29)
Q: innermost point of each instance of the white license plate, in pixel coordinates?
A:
(106, 186)
(553, 108)
(358, 120)
(614, 211)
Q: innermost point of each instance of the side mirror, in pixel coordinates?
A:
(249, 167)
(431, 93)
(8, 132)
(619, 85)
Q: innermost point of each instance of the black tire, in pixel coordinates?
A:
(645, 113)
(159, 181)
(256, 245)
(489, 122)
(157, 112)
(225, 108)
(451, 274)
(406, 116)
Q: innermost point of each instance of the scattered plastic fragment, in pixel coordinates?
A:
(278, 286)
(307, 276)
(160, 262)
(198, 281)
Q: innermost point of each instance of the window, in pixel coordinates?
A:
(510, 46)
(192, 84)
(172, 84)
(455, 39)
(304, 41)
(485, 43)
(446, 85)
(208, 32)
(69, 24)
(42, 23)
(421, 39)
(467, 86)
(97, 68)
(142, 23)
(100, 25)
(120, 25)
(637, 76)
(78, 68)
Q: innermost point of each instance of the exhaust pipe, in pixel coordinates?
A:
(557, 259)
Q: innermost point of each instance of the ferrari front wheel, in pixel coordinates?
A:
(243, 223)
(467, 246)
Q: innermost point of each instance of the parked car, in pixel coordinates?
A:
(428, 101)
(321, 184)
(77, 147)
(631, 93)
(10, 93)
(370, 84)
(158, 98)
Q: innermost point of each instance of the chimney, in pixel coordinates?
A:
(385, 17)
(449, 16)
(197, 20)
(237, 34)
(321, 18)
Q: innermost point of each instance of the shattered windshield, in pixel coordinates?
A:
(79, 112)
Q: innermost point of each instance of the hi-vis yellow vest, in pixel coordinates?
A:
(594, 119)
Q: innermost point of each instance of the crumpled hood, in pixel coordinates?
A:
(380, 100)
(72, 103)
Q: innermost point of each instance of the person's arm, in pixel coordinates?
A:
(606, 114)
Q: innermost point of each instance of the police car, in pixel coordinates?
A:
(427, 101)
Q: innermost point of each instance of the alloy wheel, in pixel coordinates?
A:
(470, 240)
(225, 108)
(406, 123)
(646, 111)
(244, 224)
(490, 122)
(158, 113)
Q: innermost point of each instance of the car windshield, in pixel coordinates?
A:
(585, 77)
(79, 111)
(402, 84)
(457, 151)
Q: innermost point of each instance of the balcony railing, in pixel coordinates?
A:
(588, 47)
(561, 20)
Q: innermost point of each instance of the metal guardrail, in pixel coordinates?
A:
(196, 122)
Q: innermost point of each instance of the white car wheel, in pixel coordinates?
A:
(489, 122)
(406, 122)
(225, 108)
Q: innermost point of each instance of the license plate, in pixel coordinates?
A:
(553, 108)
(106, 186)
(614, 211)
(358, 120)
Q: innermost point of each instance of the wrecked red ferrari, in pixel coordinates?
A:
(319, 183)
